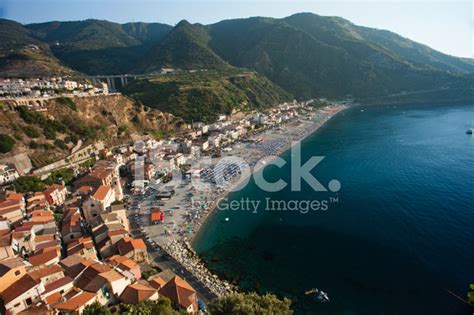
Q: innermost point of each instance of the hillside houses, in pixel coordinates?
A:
(62, 250)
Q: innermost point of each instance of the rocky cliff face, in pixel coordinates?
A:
(51, 134)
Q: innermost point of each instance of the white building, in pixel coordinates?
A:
(7, 174)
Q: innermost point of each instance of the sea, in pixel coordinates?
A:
(397, 236)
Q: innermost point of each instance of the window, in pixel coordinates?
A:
(17, 273)
(28, 301)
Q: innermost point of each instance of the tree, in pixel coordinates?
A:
(68, 102)
(6, 143)
(160, 307)
(96, 309)
(26, 184)
(60, 144)
(250, 304)
(31, 132)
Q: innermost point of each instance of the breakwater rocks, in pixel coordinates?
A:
(184, 254)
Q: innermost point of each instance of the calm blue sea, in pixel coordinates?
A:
(399, 235)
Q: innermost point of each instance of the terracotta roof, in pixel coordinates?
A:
(81, 240)
(76, 302)
(90, 273)
(15, 196)
(136, 293)
(95, 284)
(95, 176)
(48, 244)
(127, 244)
(70, 261)
(111, 275)
(75, 264)
(122, 262)
(9, 264)
(156, 216)
(45, 271)
(179, 292)
(106, 228)
(6, 240)
(101, 192)
(100, 172)
(72, 224)
(41, 213)
(74, 292)
(23, 285)
(117, 232)
(45, 238)
(157, 282)
(43, 258)
(79, 247)
(54, 187)
(101, 279)
(85, 189)
(27, 225)
(53, 298)
(10, 206)
(57, 284)
(41, 216)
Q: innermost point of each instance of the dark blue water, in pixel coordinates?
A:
(400, 234)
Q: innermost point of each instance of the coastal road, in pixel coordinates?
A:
(170, 263)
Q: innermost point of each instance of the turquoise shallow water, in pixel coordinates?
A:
(400, 234)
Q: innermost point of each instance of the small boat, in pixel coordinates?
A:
(319, 294)
(470, 131)
(226, 219)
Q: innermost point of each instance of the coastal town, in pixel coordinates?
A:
(121, 230)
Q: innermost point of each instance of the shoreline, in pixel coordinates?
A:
(257, 167)
(190, 221)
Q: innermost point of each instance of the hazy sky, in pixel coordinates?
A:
(446, 26)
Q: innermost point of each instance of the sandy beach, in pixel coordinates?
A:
(186, 213)
(189, 208)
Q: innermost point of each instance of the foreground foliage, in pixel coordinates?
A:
(6, 143)
(250, 304)
(160, 307)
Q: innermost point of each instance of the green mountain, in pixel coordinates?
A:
(306, 54)
(204, 95)
(185, 47)
(13, 36)
(99, 47)
(310, 55)
(21, 52)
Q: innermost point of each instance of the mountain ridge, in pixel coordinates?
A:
(306, 54)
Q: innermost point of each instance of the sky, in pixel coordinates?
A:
(447, 26)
